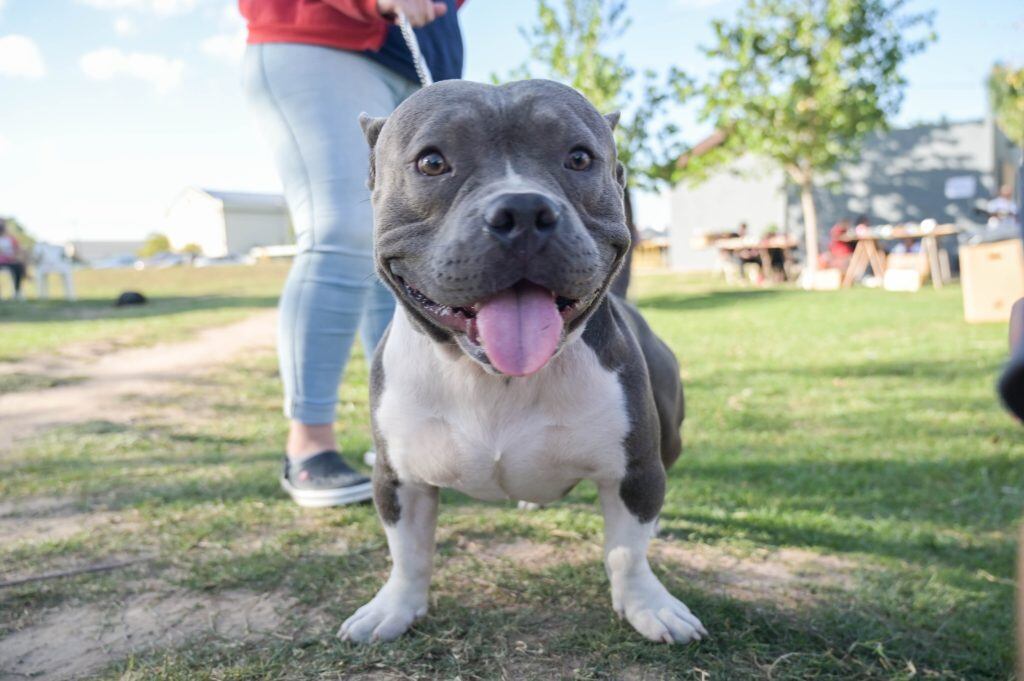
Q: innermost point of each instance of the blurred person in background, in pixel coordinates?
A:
(1002, 211)
(311, 67)
(12, 258)
(840, 251)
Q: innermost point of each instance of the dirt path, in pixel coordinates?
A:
(102, 384)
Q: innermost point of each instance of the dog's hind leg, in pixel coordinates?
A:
(637, 594)
(409, 514)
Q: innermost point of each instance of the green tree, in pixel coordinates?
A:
(25, 240)
(155, 243)
(569, 43)
(192, 249)
(803, 82)
(1006, 96)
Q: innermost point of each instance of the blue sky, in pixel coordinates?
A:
(111, 107)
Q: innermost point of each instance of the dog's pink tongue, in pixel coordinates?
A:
(520, 329)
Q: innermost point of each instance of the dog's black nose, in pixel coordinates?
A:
(522, 218)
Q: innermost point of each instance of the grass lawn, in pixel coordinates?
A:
(845, 508)
(181, 300)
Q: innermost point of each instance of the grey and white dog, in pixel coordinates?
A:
(509, 371)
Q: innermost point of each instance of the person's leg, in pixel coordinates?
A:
(18, 272)
(308, 100)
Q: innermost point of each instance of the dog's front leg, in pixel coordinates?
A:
(637, 594)
(409, 514)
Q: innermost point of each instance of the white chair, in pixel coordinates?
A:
(50, 259)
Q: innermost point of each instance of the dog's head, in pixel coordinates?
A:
(498, 211)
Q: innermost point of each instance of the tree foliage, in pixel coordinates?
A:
(25, 240)
(1006, 96)
(155, 243)
(570, 44)
(803, 82)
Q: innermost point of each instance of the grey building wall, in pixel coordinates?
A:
(751, 191)
(901, 176)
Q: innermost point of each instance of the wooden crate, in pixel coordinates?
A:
(992, 278)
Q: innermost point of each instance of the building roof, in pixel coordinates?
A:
(718, 137)
(247, 200)
(710, 142)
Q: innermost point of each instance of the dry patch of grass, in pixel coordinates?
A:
(72, 641)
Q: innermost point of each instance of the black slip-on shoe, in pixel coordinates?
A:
(324, 479)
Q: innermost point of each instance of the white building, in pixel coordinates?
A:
(223, 223)
(92, 251)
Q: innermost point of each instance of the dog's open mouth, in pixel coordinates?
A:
(518, 328)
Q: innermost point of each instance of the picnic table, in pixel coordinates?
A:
(867, 252)
(786, 243)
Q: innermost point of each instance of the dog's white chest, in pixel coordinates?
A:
(449, 424)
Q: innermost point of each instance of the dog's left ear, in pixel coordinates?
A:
(613, 119)
(371, 126)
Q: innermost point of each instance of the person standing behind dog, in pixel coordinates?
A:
(311, 67)
(11, 258)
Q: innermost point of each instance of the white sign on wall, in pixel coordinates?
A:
(961, 187)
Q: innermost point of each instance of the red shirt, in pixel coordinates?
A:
(10, 249)
(837, 247)
(343, 24)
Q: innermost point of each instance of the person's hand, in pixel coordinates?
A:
(418, 12)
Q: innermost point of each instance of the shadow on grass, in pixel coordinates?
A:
(711, 299)
(940, 370)
(102, 309)
(935, 511)
(20, 381)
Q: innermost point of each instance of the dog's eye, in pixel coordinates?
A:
(579, 159)
(432, 163)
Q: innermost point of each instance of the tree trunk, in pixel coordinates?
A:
(621, 284)
(810, 229)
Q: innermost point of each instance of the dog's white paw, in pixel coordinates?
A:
(529, 506)
(385, 618)
(657, 614)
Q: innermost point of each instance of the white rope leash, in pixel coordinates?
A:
(422, 70)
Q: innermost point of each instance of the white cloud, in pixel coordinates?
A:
(124, 26)
(227, 46)
(109, 62)
(164, 7)
(20, 56)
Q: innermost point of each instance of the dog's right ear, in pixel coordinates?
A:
(371, 126)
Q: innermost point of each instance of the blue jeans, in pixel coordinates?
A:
(307, 100)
